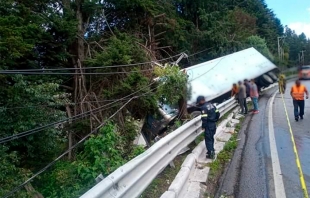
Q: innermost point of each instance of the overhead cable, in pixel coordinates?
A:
(55, 105)
(66, 152)
(87, 68)
(44, 71)
(205, 50)
(76, 117)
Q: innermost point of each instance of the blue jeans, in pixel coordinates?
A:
(301, 105)
(255, 103)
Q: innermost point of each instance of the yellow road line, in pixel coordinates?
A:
(301, 175)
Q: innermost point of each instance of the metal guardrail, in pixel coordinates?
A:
(182, 185)
(131, 179)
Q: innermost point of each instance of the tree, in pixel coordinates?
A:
(173, 87)
(74, 35)
(260, 45)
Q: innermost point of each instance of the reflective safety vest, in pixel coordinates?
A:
(298, 93)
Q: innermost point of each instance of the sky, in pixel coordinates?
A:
(293, 13)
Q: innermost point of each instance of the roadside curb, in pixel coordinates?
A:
(186, 184)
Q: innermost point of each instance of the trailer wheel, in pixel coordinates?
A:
(262, 83)
(195, 114)
(272, 76)
(266, 79)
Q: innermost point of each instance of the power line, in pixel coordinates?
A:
(200, 51)
(76, 117)
(36, 130)
(66, 152)
(63, 73)
(56, 105)
(86, 68)
(43, 71)
(29, 132)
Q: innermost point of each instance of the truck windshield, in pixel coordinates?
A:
(169, 109)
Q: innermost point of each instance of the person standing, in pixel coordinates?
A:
(234, 91)
(209, 116)
(298, 92)
(248, 87)
(254, 96)
(282, 84)
(242, 98)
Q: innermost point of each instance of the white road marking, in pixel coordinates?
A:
(277, 174)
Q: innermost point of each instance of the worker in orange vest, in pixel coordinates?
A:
(298, 92)
(234, 92)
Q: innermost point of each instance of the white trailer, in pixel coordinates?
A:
(215, 78)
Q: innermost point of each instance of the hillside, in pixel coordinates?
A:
(77, 77)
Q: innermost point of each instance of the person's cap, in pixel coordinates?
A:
(199, 99)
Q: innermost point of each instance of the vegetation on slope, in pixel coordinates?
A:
(77, 35)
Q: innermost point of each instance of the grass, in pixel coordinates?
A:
(162, 182)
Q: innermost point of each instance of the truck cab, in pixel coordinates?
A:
(304, 72)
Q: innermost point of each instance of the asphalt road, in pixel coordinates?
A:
(264, 163)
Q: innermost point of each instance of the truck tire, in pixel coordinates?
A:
(266, 79)
(195, 114)
(262, 83)
(272, 76)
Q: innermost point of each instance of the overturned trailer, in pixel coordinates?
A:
(213, 79)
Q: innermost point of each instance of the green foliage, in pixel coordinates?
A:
(62, 181)
(260, 45)
(10, 175)
(172, 83)
(102, 153)
(21, 111)
(123, 49)
(56, 34)
(120, 49)
(137, 150)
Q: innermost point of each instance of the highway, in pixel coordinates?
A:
(264, 163)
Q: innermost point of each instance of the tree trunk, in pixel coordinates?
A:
(183, 107)
(77, 52)
(69, 133)
(32, 191)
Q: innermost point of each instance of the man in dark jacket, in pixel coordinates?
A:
(248, 87)
(242, 98)
(209, 116)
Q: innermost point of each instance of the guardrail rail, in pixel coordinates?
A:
(131, 179)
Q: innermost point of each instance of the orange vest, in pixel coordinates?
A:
(235, 90)
(298, 92)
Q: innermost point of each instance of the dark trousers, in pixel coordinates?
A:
(301, 105)
(243, 105)
(210, 130)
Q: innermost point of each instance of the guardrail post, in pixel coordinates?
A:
(171, 164)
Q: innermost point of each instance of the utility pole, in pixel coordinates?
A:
(302, 58)
(280, 48)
